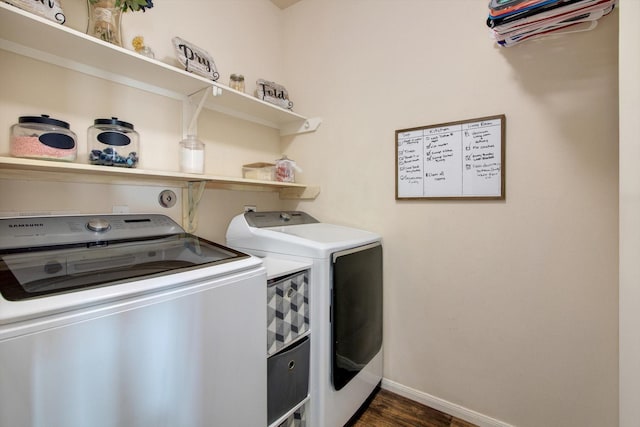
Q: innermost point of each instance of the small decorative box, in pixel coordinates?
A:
(262, 171)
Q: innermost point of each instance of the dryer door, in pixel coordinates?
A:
(356, 311)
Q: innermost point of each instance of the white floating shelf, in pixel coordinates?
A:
(30, 35)
(35, 37)
(15, 168)
(248, 107)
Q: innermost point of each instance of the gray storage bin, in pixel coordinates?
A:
(297, 419)
(287, 310)
(287, 379)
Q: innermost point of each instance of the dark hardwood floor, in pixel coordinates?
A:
(391, 410)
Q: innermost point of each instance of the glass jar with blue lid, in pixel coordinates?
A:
(113, 142)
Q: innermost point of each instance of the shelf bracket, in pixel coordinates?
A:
(308, 125)
(191, 108)
(190, 200)
(308, 193)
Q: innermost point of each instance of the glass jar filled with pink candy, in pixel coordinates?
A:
(43, 137)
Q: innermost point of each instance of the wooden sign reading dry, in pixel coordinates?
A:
(49, 9)
(194, 59)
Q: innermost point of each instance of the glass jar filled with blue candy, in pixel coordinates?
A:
(113, 142)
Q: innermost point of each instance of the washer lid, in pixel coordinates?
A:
(36, 272)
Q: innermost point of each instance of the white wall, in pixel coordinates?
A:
(506, 308)
(629, 214)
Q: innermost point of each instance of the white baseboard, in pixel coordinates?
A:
(442, 405)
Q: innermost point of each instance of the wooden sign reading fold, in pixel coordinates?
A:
(273, 93)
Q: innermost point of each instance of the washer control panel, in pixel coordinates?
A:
(278, 218)
(58, 230)
(99, 225)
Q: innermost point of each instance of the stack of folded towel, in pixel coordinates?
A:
(515, 21)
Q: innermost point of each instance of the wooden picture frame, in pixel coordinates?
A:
(461, 160)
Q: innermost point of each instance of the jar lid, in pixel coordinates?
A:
(113, 121)
(237, 77)
(192, 141)
(44, 119)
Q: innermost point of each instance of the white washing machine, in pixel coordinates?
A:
(345, 303)
(126, 320)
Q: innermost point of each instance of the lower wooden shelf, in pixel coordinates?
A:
(15, 168)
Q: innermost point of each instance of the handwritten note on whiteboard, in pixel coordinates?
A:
(463, 159)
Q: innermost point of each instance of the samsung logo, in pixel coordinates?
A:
(25, 225)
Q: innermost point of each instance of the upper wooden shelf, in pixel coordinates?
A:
(35, 37)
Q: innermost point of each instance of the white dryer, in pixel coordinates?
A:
(345, 303)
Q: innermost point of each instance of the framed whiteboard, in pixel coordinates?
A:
(457, 160)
